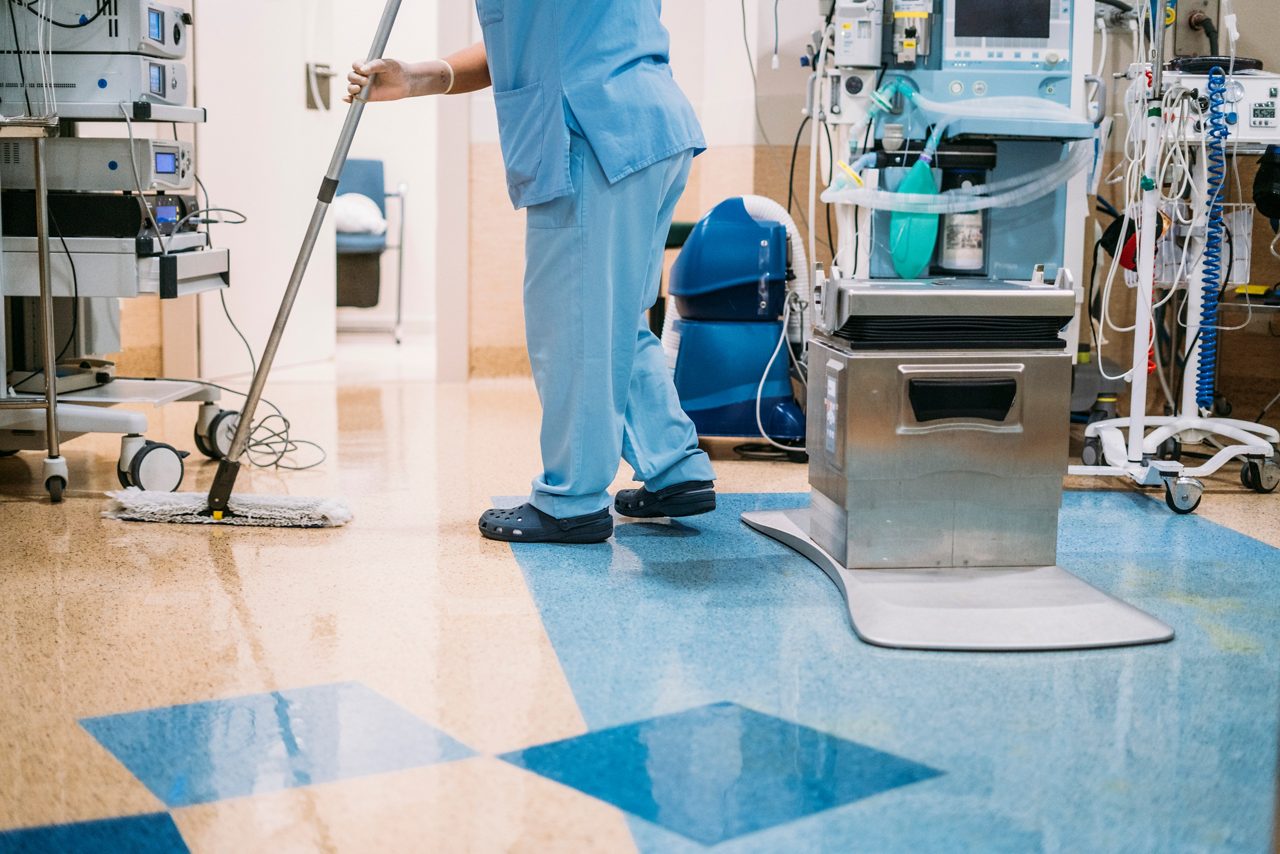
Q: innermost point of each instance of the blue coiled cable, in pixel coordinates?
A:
(1217, 133)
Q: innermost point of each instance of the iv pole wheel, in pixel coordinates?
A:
(1262, 476)
(55, 485)
(1183, 494)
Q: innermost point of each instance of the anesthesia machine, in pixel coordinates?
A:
(940, 342)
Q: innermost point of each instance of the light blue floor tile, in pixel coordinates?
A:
(720, 771)
(140, 834)
(1149, 749)
(210, 751)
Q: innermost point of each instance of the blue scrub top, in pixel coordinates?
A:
(599, 66)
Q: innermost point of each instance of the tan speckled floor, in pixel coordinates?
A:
(99, 617)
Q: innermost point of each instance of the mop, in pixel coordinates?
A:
(220, 506)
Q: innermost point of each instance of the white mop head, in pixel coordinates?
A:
(259, 511)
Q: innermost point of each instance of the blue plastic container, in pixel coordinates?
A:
(732, 268)
(718, 374)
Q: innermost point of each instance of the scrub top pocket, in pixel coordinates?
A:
(521, 130)
(490, 11)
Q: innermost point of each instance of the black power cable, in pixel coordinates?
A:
(102, 7)
(791, 173)
(75, 304)
(831, 165)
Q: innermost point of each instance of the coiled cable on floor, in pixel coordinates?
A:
(1216, 163)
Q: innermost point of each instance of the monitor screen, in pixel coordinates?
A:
(166, 163)
(166, 214)
(1003, 19)
(155, 25)
(157, 80)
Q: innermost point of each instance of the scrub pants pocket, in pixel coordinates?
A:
(566, 211)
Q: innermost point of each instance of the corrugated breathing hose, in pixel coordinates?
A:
(1217, 133)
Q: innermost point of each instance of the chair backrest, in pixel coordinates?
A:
(367, 178)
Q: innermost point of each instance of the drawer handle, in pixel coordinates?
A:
(982, 399)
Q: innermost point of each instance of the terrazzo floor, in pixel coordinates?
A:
(402, 684)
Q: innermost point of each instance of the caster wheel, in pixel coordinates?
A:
(157, 468)
(1170, 450)
(55, 485)
(222, 432)
(1262, 476)
(123, 477)
(1096, 415)
(1183, 494)
(1221, 407)
(201, 445)
(1091, 455)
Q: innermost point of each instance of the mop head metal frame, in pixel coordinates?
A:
(255, 511)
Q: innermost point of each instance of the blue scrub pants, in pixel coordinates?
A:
(593, 266)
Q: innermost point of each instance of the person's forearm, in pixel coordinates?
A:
(470, 69)
(470, 73)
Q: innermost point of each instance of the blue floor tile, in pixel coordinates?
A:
(1158, 749)
(720, 771)
(210, 751)
(139, 834)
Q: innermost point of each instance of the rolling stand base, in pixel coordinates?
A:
(975, 609)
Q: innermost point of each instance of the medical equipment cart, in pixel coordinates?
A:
(54, 473)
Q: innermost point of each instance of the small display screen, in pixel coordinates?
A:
(1003, 19)
(166, 214)
(166, 163)
(155, 25)
(157, 80)
(1264, 111)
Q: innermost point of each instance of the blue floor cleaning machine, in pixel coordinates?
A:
(724, 333)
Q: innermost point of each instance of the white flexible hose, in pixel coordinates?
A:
(1009, 193)
(670, 334)
(998, 107)
(764, 378)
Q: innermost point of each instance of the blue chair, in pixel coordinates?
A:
(367, 177)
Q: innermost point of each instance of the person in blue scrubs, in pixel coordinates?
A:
(597, 140)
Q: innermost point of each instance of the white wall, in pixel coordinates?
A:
(709, 58)
(402, 135)
(262, 152)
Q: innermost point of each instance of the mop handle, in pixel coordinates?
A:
(225, 480)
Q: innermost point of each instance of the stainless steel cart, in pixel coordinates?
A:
(54, 473)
